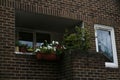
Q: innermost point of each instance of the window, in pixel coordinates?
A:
(26, 38)
(105, 43)
(30, 39)
(40, 37)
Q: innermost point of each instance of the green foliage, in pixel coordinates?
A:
(17, 43)
(80, 39)
(48, 48)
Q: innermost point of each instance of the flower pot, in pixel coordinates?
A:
(22, 49)
(16, 48)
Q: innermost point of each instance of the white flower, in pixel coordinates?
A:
(40, 46)
(49, 47)
(64, 47)
(50, 44)
(53, 42)
(37, 50)
(56, 42)
(44, 47)
(54, 48)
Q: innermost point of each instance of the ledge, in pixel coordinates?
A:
(25, 53)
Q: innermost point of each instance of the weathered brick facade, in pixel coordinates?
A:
(82, 67)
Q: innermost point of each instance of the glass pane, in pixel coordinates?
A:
(104, 43)
(41, 37)
(26, 38)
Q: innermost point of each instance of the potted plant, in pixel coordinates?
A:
(30, 49)
(23, 48)
(49, 51)
(17, 44)
(79, 39)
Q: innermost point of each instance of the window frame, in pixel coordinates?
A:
(113, 64)
(25, 30)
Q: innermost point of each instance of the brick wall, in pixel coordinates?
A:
(7, 27)
(29, 67)
(13, 66)
(83, 66)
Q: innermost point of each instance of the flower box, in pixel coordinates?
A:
(47, 56)
(49, 52)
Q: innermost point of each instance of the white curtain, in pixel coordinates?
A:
(104, 43)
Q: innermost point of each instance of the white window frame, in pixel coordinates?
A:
(113, 64)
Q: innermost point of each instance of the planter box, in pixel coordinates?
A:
(48, 57)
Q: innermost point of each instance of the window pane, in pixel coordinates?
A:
(41, 37)
(26, 38)
(104, 43)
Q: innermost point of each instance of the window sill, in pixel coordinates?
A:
(111, 65)
(25, 53)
